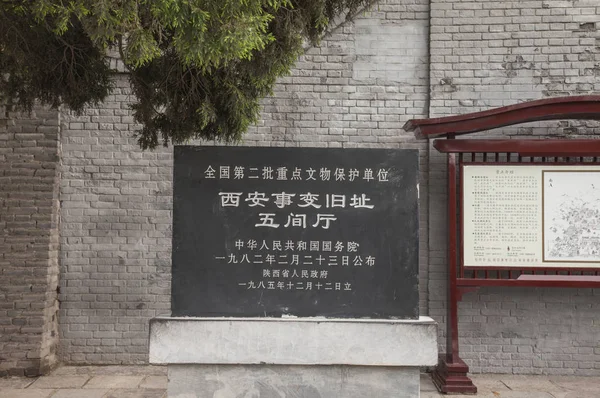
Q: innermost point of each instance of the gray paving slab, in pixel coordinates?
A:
(117, 370)
(136, 393)
(155, 382)
(497, 386)
(7, 383)
(427, 384)
(489, 383)
(528, 383)
(79, 393)
(25, 393)
(151, 382)
(60, 382)
(110, 382)
(576, 394)
(571, 383)
(506, 394)
(431, 394)
(75, 370)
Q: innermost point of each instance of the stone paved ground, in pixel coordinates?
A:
(518, 386)
(90, 382)
(151, 382)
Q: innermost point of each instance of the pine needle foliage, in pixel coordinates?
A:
(198, 68)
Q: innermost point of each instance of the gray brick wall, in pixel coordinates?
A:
(115, 235)
(397, 62)
(29, 159)
(486, 54)
(351, 91)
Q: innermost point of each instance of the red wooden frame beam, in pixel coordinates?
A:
(559, 108)
(571, 148)
(590, 282)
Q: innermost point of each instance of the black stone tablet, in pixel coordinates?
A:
(268, 232)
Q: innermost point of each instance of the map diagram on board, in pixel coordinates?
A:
(571, 216)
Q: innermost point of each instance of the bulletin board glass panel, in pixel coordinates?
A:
(536, 215)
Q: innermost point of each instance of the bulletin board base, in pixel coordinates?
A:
(451, 377)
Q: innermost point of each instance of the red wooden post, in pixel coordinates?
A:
(451, 374)
(452, 321)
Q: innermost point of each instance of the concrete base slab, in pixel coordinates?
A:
(269, 381)
(293, 358)
(293, 341)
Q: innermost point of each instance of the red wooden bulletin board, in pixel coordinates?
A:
(451, 374)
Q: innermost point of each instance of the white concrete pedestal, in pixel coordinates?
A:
(293, 357)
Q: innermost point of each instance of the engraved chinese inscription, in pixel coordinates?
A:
(531, 215)
(572, 216)
(295, 231)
